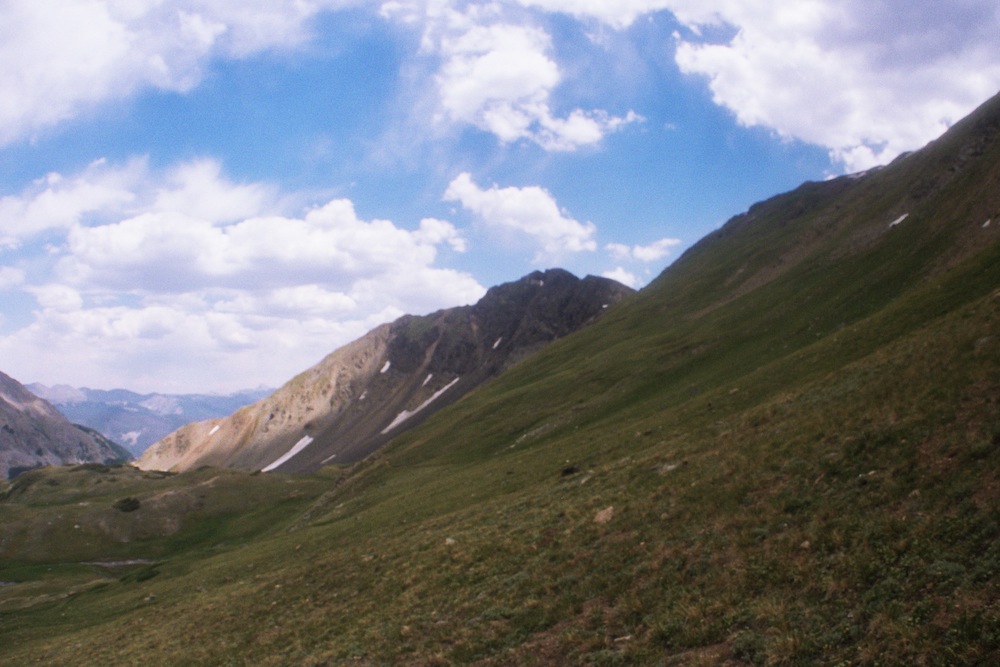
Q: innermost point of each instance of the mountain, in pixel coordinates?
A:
(784, 451)
(33, 433)
(368, 392)
(139, 420)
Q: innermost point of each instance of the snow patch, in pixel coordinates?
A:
(497, 344)
(16, 405)
(37, 405)
(385, 367)
(299, 446)
(406, 414)
(214, 430)
(427, 379)
(987, 223)
(364, 395)
(899, 220)
(130, 438)
(163, 405)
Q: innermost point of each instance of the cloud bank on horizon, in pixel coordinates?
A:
(207, 195)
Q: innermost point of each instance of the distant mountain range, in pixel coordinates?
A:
(33, 434)
(138, 420)
(391, 379)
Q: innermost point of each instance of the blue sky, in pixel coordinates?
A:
(204, 195)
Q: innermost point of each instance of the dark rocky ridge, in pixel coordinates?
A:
(391, 379)
(34, 434)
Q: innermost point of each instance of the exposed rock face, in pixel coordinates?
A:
(33, 434)
(371, 390)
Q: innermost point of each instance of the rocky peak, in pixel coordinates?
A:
(366, 393)
(33, 434)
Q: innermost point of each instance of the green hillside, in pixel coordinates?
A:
(783, 451)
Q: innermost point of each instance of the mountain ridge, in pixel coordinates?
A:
(35, 434)
(367, 392)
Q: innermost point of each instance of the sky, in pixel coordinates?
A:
(212, 195)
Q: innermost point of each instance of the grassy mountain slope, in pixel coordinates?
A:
(784, 451)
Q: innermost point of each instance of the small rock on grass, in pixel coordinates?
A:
(605, 515)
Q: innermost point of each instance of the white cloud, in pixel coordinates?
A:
(166, 251)
(62, 57)
(105, 192)
(294, 300)
(199, 189)
(499, 78)
(865, 80)
(648, 253)
(58, 202)
(436, 231)
(624, 277)
(57, 298)
(637, 254)
(179, 265)
(530, 211)
(497, 72)
(619, 251)
(10, 277)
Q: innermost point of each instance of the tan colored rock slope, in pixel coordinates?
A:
(364, 394)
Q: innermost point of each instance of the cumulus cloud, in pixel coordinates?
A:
(889, 75)
(57, 298)
(174, 252)
(531, 211)
(624, 277)
(10, 277)
(105, 192)
(436, 231)
(865, 80)
(58, 202)
(169, 266)
(643, 253)
(62, 57)
(497, 72)
(151, 348)
(199, 189)
(294, 300)
(637, 255)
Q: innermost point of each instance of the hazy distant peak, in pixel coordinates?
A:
(60, 393)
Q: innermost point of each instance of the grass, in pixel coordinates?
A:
(784, 452)
(850, 518)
